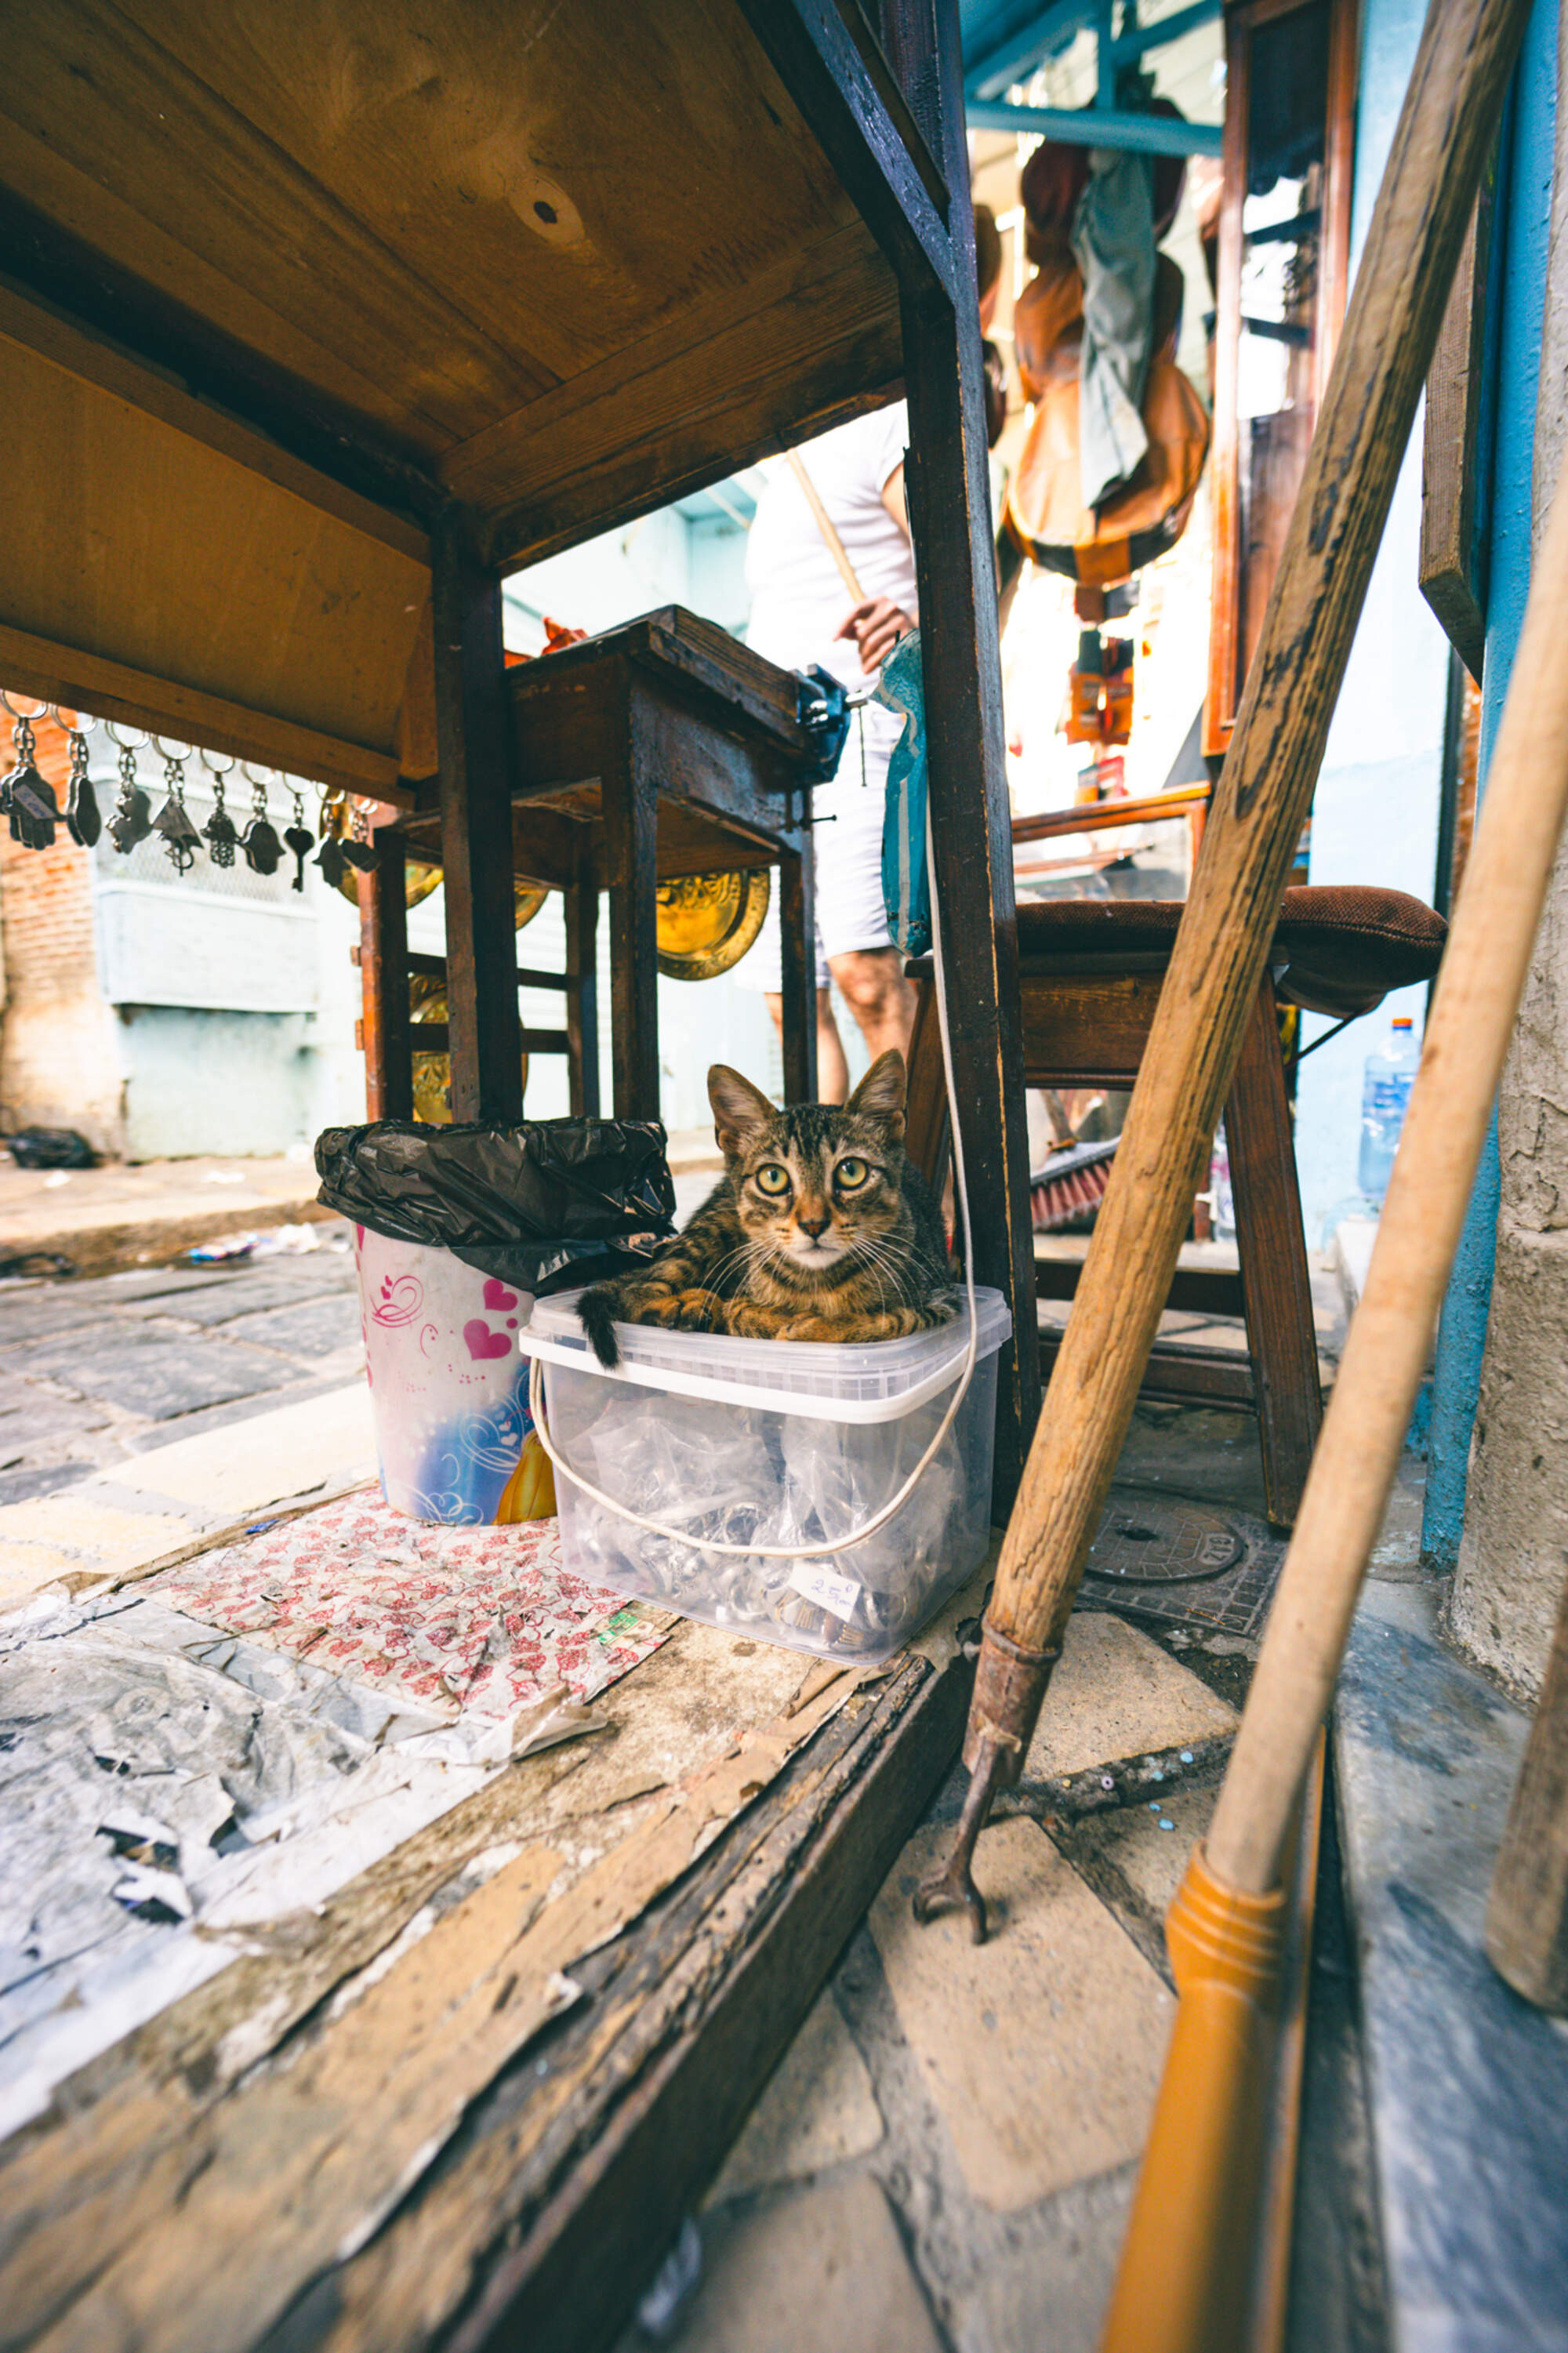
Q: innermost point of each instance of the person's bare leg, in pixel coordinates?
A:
(880, 999)
(832, 1070)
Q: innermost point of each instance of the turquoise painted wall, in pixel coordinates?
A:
(1525, 213)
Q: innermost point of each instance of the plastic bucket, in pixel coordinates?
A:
(448, 1387)
(780, 1443)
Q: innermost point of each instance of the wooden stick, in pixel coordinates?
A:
(824, 524)
(1456, 86)
(1527, 1919)
(1478, 990)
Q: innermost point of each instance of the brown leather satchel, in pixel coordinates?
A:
(1045, 515)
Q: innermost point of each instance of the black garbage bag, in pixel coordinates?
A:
(545, 1204)
(50, 1147)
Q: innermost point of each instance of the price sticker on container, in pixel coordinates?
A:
(826, 1589)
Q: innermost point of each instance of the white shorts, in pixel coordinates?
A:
(851, 911)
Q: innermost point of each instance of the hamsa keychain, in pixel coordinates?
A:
(181, 839)
(133, 819)
(329, 857)
(219, 834)
(263, 850)
(84, 821)
(30, 804)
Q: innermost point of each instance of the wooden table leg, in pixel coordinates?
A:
(1276, 1285)
(473, 727)
(949, 509)
(383, 982)
(630, 811)
(797, 976)
(582, 899)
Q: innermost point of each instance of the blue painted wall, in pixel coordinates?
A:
(1524, 216)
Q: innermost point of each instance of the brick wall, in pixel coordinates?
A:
(59, 1066)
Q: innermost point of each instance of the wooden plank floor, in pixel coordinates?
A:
(470, 2101)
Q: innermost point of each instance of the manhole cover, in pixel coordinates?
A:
(1161, 1540)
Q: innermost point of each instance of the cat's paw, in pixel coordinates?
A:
(687, 1311)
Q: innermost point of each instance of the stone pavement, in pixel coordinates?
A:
(96, 1371)
(946, 2157)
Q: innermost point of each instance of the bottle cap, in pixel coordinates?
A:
(1402, 1021)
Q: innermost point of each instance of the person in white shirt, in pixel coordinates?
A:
(799, 618)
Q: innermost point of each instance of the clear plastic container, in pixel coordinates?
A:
(775, 1442)
(1387, 1078)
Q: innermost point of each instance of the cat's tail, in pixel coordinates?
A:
(596, 1309)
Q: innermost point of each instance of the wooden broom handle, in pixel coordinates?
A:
(824, 524)
(1451, 109)
(1478, 989)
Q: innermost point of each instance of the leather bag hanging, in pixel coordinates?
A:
(1045, 515)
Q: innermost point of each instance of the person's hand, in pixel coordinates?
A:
(876, 625)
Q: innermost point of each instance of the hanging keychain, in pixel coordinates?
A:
(84, 821)
(329, 857)
(300, 842)
(263, 850)
(356, 844)
(133, 819)
(218, 832)
(31, 803)
(181, 839)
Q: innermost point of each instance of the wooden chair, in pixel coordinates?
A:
(1090, 975)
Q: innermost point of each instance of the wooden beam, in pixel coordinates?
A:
(384, 963)
(68, 344)
(826, 73)
(473, 724)
(581, 898)
(630, 805)
(1194, 1290)
(133, 698)
(948, 481)
(1451, 566)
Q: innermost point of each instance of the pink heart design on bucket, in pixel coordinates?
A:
(497, 1298)
(482, 1342)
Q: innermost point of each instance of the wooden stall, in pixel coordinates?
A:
(318, 323)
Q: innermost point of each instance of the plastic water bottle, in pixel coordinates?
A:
(1387, 1079)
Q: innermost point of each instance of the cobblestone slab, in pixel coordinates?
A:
(812, 2271)
(818, 2110)
(1042, 2047)
(1117, 1694)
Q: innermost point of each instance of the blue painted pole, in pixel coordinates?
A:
(1098, 126)
(1523, 221)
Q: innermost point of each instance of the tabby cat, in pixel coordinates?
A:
(819, 1229)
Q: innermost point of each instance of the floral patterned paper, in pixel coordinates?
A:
(452, 1619)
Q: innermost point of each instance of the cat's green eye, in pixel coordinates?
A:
(850, 1173)
(772, 1178)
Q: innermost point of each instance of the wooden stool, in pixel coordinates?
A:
(1090, 974)
(660, 750)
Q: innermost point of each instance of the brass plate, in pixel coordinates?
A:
(526, 897)
(433, 1072)
(707, 922)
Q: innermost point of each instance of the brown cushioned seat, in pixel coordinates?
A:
(1339, 948)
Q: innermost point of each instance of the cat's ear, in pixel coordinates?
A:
(740, 1109)
(880, 1093)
